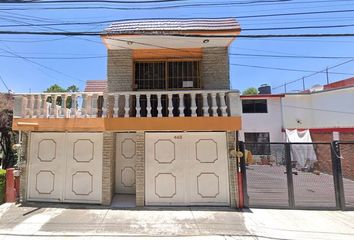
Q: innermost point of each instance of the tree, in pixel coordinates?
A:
(57, 89)
(72, 88)
(250, 91)
(7, 138)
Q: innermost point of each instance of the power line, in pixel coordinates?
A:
(311, 35)
(231, 54)
(313, 74)
(90, 1)
(39, 64)
(243, 29)
(286, 69)
(3, 81)
(295, 28)
(289, 56)
(222, 4)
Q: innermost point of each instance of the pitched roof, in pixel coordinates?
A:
(96, 86)
(185, 24)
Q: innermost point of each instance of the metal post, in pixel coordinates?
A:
(327, 75)
(285, 88)
(242, 171)
(303, 84)
(289, 174)
(337, 175)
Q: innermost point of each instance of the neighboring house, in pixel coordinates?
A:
(261, 122)
(326, 111)
(162, 131)
(96, 86)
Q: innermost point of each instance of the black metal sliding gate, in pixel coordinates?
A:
(298, 175)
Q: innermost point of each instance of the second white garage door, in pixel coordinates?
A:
(186, 169)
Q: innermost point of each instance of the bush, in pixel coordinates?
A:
(2, 185)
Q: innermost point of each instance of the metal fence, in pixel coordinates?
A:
(298, 175)
(345, 155)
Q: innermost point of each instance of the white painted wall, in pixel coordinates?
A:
(327, 109)
(265, 122)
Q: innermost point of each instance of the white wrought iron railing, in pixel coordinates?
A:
(217, 103)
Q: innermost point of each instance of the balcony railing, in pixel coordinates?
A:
(128, 104)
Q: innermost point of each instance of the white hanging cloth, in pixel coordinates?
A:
(303, 154)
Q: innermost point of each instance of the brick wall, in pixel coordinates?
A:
(231, 141)
(140, 169)
(347, 153)
(108, 167)
(119, 70)
(323, 151)
(215, 68)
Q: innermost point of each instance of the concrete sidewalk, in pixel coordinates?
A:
(82, 222)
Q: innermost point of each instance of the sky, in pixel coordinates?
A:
(31, 63)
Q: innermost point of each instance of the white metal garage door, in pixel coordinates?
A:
(186, 169)
(65, 167)
(125, 162)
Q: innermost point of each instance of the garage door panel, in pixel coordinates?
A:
(125, 163)
(47, 155)
(196, 167)
(208, 169)
(164, 170)
(84, 167)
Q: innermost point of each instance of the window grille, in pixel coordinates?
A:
(167, 75)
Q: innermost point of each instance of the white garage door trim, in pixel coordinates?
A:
(70, 165)
(186, 169)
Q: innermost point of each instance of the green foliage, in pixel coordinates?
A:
(2, 185)
(7, 138)
(57, 89)
(72, 88)
(250, 91)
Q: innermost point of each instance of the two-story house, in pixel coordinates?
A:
(162, 132)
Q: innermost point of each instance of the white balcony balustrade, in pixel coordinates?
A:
(128, 104)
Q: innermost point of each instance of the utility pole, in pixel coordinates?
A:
(303, 83)
(327, 75)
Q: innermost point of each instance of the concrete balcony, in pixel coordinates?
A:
(39, 108)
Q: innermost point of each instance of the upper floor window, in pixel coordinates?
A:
(254, 106)
(160, 75)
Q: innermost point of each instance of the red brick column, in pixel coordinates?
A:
(10, 185)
